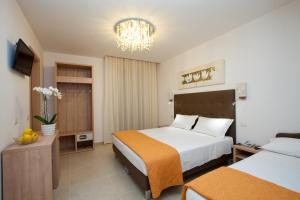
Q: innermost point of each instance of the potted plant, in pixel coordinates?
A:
(48, 124)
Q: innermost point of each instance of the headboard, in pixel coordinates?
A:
(217, 104)
(289, 135)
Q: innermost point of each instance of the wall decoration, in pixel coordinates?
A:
(203, 75)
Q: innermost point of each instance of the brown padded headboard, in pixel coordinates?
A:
(217, 104)
(289, 135)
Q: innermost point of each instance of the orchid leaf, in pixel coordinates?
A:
(53, 119)
(41, 119)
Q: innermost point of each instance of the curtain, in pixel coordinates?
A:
(130, 100)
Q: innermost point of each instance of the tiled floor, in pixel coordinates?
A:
(98, 175)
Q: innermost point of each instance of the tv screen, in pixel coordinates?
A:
(23, 58)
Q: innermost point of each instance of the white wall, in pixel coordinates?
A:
(51, 58)
(14, 87)
(265, 54)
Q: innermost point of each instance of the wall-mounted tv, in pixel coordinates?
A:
(23, 58)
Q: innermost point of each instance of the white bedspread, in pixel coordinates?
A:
(195, 149)
(277, 168)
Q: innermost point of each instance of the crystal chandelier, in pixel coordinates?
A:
(134, 34)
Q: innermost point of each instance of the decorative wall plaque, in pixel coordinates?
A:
(203, 75)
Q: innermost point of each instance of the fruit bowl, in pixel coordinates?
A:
(19, 141)
(28, 137)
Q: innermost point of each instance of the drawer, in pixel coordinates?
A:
(84, 137)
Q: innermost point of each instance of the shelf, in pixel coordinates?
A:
(64, 134)
(84, 145)
(73, 65)
(85, 149)
(69, 79)
(70, 151)
(244, 148)
(241, 156)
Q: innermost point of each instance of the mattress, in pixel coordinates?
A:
(195, 149)
(277, 168)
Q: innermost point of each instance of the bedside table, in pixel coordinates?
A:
(241, 152)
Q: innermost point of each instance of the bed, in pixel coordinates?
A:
(197, 152)
(277, 168)
(194, 149)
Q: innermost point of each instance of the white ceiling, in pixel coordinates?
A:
(85, 27)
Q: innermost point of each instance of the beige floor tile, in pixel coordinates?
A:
(124, 185)
(132, 196)
(62, 194)
(94, 188)
(98, 175)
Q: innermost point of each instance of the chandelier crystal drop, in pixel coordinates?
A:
(134, 34)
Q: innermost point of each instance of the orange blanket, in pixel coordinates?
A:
(162, 161)
(229, 184)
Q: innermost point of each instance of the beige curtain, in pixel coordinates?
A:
(130, 95)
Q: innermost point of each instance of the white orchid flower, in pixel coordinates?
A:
(47, 92)
(37, 89)
(53, 89)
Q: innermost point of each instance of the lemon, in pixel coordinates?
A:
(20, 139)
(34, 136)
(27, 131)
(27, 138)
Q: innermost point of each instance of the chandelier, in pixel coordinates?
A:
(134, 34)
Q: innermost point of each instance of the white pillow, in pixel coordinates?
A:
(287, 146)
(184, 121)
(216, 127)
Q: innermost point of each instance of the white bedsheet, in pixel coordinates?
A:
(276, 168)
(195, 149)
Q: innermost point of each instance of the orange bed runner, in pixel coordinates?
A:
(229, 184)
(162, 161)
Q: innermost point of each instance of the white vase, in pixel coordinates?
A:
(48, 129)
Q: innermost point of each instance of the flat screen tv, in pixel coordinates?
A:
(23, 58)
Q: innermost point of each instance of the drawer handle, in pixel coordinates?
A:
(82, 137)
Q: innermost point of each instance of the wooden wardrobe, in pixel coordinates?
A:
(75, 109)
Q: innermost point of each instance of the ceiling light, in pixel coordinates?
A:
(134, 34)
